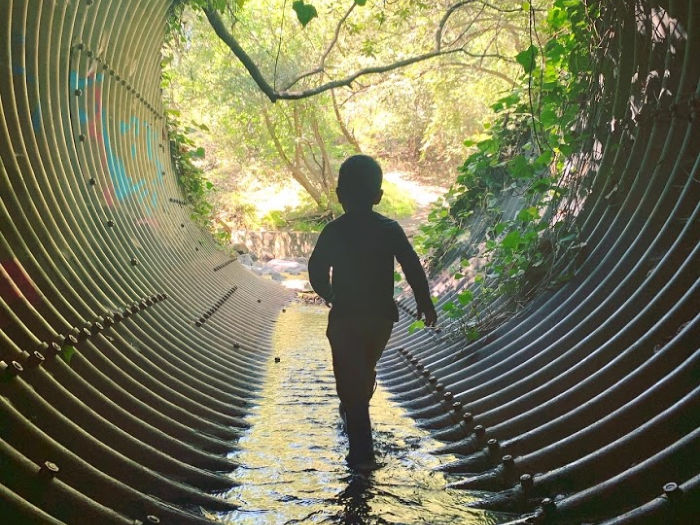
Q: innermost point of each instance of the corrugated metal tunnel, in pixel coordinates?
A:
(583, 407)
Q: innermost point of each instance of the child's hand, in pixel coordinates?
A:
(430, 315)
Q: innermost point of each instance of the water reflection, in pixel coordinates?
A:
(292, 458)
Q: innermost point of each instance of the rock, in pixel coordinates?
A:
(240, 248)
(275, 276)
(246, 260)
(286, 266)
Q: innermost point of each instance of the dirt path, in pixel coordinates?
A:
(424, 195)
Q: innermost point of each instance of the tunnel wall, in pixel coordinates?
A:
(583, 407)
(130, 347)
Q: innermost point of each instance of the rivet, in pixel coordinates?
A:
(206, 315)
(81, 137)
(425, 373)
(526, 482)
(134, 261)
(493, 445)
(479, 430)
(152, 519)
(448, 396)
(672, 490)
(14, 368)
(97, 327)
(432, 379)
(439, 387)
(508, 461)
(201, 320)
(70, 340)
(467, 417)
(35, 358)
(135, 308)
(548, 506)
(118, 317)
(126, 313)
(55, 348)
(78, 92)
(110, 223)
(197, 324)
(457, 406)
(277, 359)
(182, 225)
(48, 469)
(86, 332)
(260, 301)
(142, 305)
(236, 345)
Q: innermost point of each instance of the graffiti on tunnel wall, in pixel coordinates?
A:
(137, 133)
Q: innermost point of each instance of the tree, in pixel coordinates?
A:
(328, 77)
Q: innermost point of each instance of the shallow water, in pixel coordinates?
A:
(292, 458)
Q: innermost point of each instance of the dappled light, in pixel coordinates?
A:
(166, 168)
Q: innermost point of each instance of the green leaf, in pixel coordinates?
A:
(67, 353)
(465, 297)
(416, 325)
(305, 12)
(360, 2)
(397, 277)
(528, 214)
(198, 153)
(526, 6)
(527, 58)
(512, 240)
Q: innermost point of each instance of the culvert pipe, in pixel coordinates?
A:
(580, 408)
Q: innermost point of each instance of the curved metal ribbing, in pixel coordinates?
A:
(97, 254)
(584, 407)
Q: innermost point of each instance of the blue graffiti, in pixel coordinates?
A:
(124, 185)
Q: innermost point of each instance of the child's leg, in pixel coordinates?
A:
(377, 338)
(357, 344)
(351, 378)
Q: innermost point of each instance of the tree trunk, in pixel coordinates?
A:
(297, 174)
(343, 128)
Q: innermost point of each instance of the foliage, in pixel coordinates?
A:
(527, 153)
(185, 153)
(404, 118)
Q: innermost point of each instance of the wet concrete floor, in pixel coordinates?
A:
(293, 468)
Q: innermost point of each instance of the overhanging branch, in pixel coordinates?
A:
(220, 29)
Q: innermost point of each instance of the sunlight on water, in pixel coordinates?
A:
(292, 458)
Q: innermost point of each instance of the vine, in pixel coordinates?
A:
(528, 157)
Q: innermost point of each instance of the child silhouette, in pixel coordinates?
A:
(360, 247)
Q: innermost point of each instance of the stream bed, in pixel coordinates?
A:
(293, 457)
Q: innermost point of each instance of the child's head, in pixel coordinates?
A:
(359, 182)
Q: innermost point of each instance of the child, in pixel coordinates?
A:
(360, 247)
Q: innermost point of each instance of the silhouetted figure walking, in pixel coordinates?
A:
(360, 247)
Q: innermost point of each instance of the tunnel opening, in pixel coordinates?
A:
(132, 350)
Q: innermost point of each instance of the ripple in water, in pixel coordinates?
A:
(293, 457)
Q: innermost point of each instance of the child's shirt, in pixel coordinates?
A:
(360, 248)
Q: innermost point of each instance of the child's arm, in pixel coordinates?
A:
(319, 268)
(415, 275)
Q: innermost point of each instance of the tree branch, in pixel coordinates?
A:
(220, 29)
(443, 21)
(322, 63)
